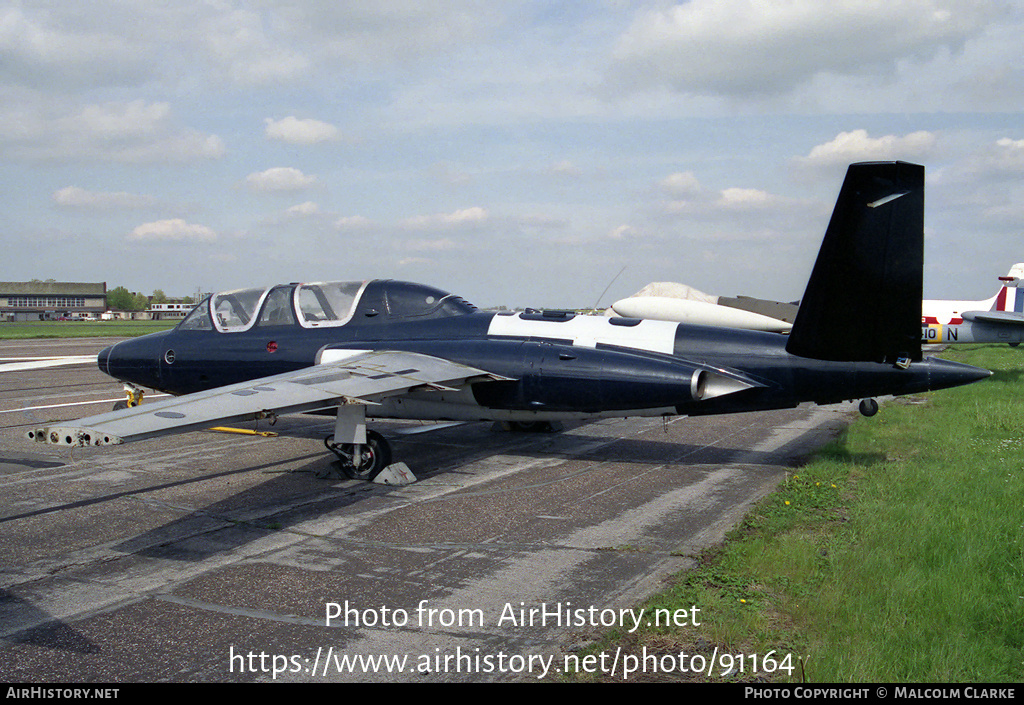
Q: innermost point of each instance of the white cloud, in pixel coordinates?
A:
(1006, 214)
(747, 199)
(305, 132)
(747, 47)
(1007, 155)
(122, 131)
(407, 261)
(980, 170)
(120, 120)
(541, 221)
(386, 30)
(303, 209)
(174, 229)
(681, 184)
(239, 43)
(748, 208)
(34, 53)
(429, 245)
(858, 146)
(197, 42)
(353, 222)
(75, 197)
(279, 179)
(466, 217)
(623, 231)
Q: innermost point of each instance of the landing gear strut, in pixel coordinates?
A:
(362, 453)
(133, 397)
(362, 461)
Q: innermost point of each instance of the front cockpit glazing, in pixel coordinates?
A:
(235, 311)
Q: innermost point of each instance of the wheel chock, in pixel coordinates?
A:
(395, 474)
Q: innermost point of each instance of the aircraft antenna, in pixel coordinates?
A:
(596, 303)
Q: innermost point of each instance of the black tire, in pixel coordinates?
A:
(868, 407)
(376, 455)
(118, 405)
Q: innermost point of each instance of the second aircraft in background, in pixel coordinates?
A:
(999, 319)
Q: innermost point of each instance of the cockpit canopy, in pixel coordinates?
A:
(322, 305)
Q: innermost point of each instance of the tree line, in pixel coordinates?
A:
(120, 299)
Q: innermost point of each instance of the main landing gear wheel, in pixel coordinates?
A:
(374, 456)
(868, 407)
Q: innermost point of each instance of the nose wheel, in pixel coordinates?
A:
(133, 397)
(362, 461)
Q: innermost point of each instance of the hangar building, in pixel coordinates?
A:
(50, 300)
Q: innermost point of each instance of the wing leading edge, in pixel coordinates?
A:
(363, 377)
(1011, 318)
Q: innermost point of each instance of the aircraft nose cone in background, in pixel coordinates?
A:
(943, 374)
(664, 308)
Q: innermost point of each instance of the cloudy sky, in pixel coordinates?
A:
(523, 154)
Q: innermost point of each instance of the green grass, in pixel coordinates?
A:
(896, 555)
(81, 329)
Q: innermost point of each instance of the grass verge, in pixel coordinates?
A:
(895, 555)
(81, 329)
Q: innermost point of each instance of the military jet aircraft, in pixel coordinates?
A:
(390, 349)
(999, 319)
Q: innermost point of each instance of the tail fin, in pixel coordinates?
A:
(863, 301)
(1011, 297)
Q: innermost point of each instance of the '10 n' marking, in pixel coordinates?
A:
(932, 334)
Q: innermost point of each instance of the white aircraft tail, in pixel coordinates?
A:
(1011, 296)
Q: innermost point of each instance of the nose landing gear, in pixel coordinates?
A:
(133, 397)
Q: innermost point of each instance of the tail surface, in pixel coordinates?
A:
(863, 301)
(1010, 296)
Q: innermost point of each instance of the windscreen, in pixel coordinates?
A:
(199, 319)
(234, 311)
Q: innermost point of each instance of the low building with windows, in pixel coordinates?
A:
(50, 300)
(170, 311)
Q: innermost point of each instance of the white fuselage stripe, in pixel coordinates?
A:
(588, 331)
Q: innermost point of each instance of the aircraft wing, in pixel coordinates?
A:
(362, 378)
(1004, 317)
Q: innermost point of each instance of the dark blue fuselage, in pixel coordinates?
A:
(558, 365)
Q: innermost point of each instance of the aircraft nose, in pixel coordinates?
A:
(136, 360)
(102, 358)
